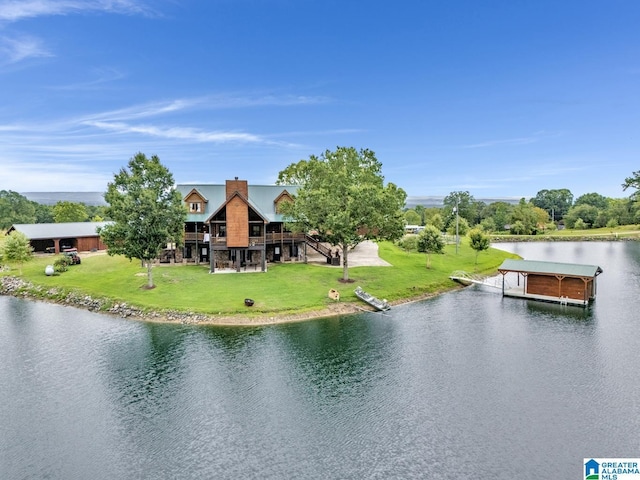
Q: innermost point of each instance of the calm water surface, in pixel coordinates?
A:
(465, 385)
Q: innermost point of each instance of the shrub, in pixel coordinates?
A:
(62, 264)
(409, 243)
(613, 223)
(580, 225)
(518, 228)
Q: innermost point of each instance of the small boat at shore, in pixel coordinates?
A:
(380, 305)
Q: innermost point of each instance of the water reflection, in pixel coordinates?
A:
(556, 312)
(462, 383)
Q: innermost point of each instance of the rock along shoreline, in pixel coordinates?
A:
(19, 288)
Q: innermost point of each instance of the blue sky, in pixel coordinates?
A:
(499, 98)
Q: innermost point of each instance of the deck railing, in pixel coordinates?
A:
(192, 237)
(269, 238)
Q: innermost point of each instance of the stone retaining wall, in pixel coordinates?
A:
(17, 287)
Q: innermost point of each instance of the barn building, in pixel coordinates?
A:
(56, 237)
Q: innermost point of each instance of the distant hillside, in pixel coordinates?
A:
(51, 198)
(97, 199)
(437, 202)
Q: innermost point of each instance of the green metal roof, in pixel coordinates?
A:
(550, 268)
(261, 198)
(39, 231)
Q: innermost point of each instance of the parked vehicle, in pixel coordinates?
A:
(72, 253)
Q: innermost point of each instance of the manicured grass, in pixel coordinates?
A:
(285, 288)
(625, 231)
(604, 233)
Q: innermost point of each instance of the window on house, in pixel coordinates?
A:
(255, 230)
(195, 207)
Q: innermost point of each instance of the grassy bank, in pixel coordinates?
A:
(626, 232)
(284, 289)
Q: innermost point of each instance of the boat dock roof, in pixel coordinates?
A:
(550, 268)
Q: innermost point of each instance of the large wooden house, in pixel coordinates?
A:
(237, 226)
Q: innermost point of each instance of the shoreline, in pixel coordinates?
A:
(16, 287)
(19, 288)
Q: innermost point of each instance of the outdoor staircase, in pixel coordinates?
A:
(318, 247)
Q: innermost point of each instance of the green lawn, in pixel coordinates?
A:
(285, 288)
(604, 233)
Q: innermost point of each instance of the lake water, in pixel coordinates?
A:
(464, 385)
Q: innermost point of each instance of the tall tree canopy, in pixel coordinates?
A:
(524, 218)
(343, 197)
(465, 204)
(632, 182)
(556, 202)
(146, 209)
(15, 208)
(595, 199)
(65, 211)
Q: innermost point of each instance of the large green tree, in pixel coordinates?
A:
(44, 213)
(465, 205)
(411, 217)
(585, 212)
(524, 218)
(500, 212)
(65, 211)
(343, 197)
(146, 209)
(557, 202)
(15, 208)
(594, 199)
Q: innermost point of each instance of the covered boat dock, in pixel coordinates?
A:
(564, 283)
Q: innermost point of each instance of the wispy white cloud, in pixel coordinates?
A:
(14, 50)
(81, 133)
(337, 131)
(16, 10)
(495, 143)
(179, 133)
(533, 138)
(206, 102)
(10, 128)
(38, 154)
(152, 109)
(101, 77)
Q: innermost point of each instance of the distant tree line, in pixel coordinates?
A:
(16, 208)
(548, 210)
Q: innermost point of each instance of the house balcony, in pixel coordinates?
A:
(269, 238)
(194, 237)
(280, 237)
